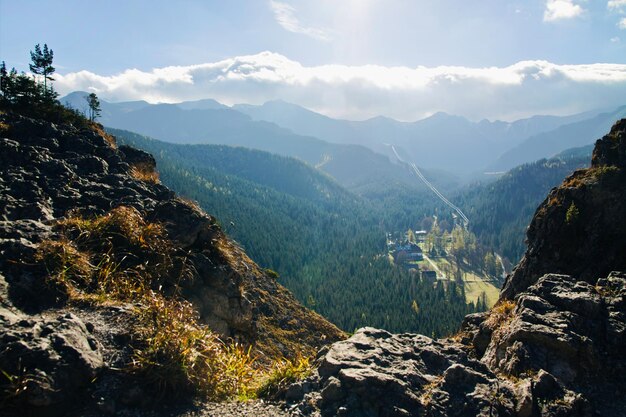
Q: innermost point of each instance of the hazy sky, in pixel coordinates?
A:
(346, 58)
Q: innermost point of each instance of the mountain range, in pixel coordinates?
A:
(357, 153)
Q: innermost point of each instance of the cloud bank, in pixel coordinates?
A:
(359, 92)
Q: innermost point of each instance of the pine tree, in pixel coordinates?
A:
(42, 64)
(5, 83)
(94, 106)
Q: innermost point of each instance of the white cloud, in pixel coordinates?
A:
(561, 9)
(285, 15)
(615, 39)
(359, 92)
(622, 23)
(616, 4)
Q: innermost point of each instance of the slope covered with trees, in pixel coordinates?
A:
(500, 211)
(326, 244)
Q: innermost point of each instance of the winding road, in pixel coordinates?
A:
(432, 187)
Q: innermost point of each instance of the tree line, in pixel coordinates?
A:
(34, 94)
(502, 210)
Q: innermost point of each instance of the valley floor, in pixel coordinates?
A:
(474, 282)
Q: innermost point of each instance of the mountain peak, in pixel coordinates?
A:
(611, 149)
(204, 104)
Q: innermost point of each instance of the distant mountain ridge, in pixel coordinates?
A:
(206, 122)
(444, 141)
(441, 142)
(547, 144)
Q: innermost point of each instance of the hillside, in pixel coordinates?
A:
(109, 281)
(501, 210)
(326, 244)
(580, 227)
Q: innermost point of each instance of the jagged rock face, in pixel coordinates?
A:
(569, 328)
(60, 353)
(580, 228)
(557, 352)
(47, 171)
(611, 149)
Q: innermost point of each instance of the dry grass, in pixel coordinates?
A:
(4, 128)
(123, 241)
(500, 314)
(99, 129)
(574, 181)
(144, 172)
(16, 386)
(119, 257)
(68, 268)
(233, 255)
(428, 390)
(191, 203)
(459, 336)
(554, 201)
(283, 373)
(177, 354)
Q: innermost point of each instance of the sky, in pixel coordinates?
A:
(354, 59)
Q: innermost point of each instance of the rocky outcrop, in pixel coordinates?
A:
(49, 359)
(556, 351)
(49, 172)
(580, 228)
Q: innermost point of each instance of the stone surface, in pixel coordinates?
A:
(52, 359)
(558, 351)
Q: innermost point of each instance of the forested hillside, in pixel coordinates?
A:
(500, 211)
(327, 245)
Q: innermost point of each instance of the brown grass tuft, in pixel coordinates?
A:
(68, 267)
(500, 315)
(99, 129)
(119, 257)
(283, 373)
(190, 203)
(144, 172)
(4, 128)
(177, 354)
(429, 389)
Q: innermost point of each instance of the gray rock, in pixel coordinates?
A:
(560, 353)
(55, 359)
